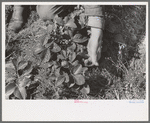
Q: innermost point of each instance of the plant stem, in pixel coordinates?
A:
(9, 55)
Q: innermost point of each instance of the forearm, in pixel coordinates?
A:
(96, 33)
(96, 22)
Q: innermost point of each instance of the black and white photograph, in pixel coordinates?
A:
(79, 52)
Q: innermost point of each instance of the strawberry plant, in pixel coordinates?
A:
(61, 57)
(18, 77)
(59, 62)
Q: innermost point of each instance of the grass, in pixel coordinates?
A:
(116, 78)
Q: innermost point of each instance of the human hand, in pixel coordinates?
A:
(94, 45)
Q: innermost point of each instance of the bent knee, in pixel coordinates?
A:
(45, 12)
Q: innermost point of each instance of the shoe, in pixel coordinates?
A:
(17, 20)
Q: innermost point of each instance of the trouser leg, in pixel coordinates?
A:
(17, 19)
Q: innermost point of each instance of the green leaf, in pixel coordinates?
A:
(10, 71)
(84, 69)
(42, 31)
(71, 81)
(57, 71)
(65, 64)
(11, 79)
(52, 77)
(49, 44)
(50, 28)
(77, 69)
(66, 18)
(77, 36)
(64, 53)
(76, 62)
(79, 79)
(70, 33)
(60, 80)
(72, 56)
(56, 48)
(71, 23)
(22, 65)
(10, 88)
(59, 21)
(24, 81)
(10, 65)
(20, 93)
(20, 58)
(60, 56)
(42, 38)
(85, 90)
(46, 65)
(56, 64)
(42, 55)
(82, 40)
(27, 70)
(38, 78)
(14, 61)
(72, 47)
(47, 56)
(53, 69)
(6, 97)
(39, 48)
(71, 85)
(46, 40)
(23, 92)
(17, 93)
(82, 19)
(83, 55)
(66, 78)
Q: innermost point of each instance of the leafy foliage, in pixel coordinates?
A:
(18, 77)
(57, 63)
